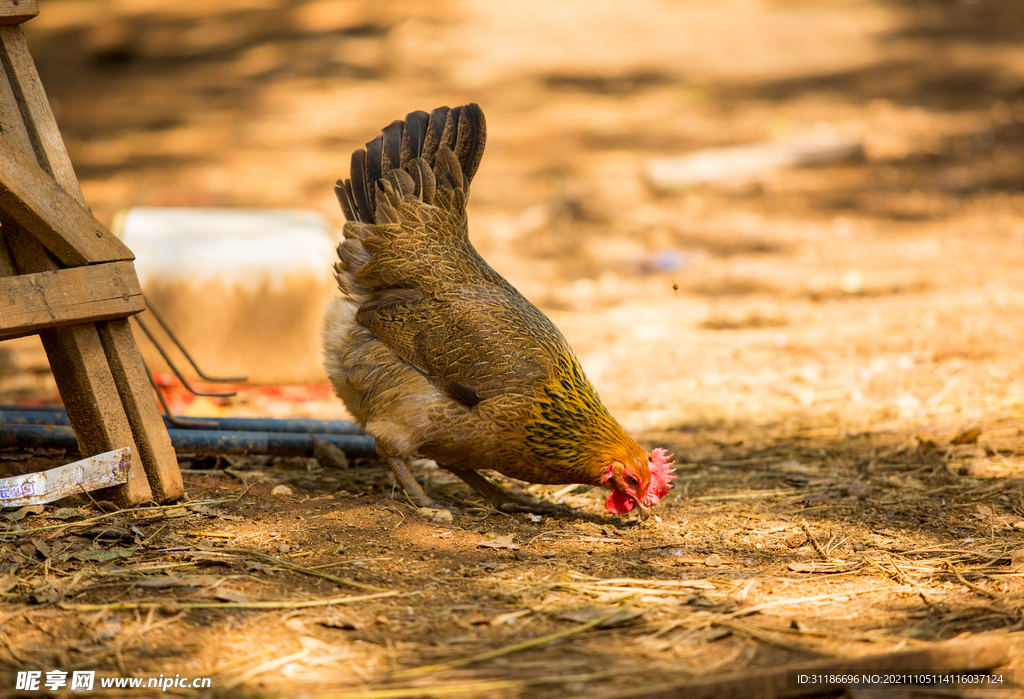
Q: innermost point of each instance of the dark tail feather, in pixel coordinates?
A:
(470, 141)
(391, 153)
(463, 130)
(341, 189)
(415, 135)
(435, 128)
(361, 186)
(374, 170)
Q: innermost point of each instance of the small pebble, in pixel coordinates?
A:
(436, 515)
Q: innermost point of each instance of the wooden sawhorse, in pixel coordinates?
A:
(65, 277)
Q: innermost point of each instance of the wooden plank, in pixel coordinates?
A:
(31, 302)
(35, 110)
(7, 268)
(17, 11)
(10, 110)
(43, 208)
(158, 457)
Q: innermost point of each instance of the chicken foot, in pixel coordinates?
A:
(503, 500)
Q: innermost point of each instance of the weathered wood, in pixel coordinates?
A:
(30, 196)
(31, 302)
(158, 457)
(7, 268)
(10, 110)
(101, 381)
(17, 11)
(83, 376)
(90, 395)
(976, 655)
(35, 110)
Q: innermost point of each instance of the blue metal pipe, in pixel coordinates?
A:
(198, 441)
(57, 416)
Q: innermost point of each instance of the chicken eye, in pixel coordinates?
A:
(633, 481)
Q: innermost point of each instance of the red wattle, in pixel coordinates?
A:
(619, 503)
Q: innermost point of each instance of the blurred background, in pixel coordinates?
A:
(879, 286)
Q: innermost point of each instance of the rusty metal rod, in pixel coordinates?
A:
(177, 372)
(181, 348)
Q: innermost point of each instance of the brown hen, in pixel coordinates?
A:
(437, 355)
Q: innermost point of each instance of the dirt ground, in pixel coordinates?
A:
(832, 353)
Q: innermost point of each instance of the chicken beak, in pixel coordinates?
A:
(645, 510)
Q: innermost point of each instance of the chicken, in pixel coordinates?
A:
(436, 355)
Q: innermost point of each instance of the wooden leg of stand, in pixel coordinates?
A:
(97, 365)
(90, 396)
(158, 457)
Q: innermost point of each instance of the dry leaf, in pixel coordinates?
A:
(168, 581)
(500, 542)
(227, 594)
(103, 554)
(823, 567)
(8, 583)
(340, 621)
(172, 512)
(109, 629)
(905, 482)
(582, 615)
(329, 456)
(23, 512)
(48, 596)
(795, 541)
(508, 617)
(296, 625)
(42, 547)
(857, 489)
(1017, 559)
(716, 634)
(214, 513)
(66, 513)
(436, 515)
(967, 437)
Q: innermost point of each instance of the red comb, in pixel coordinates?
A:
(662, 474)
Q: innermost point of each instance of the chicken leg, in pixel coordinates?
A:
(503, 500)
(411, 486)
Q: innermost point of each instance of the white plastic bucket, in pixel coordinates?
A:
(243, 289)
